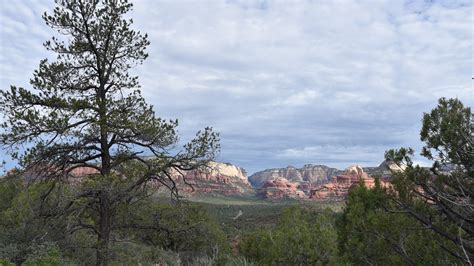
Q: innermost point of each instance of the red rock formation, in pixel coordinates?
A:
(41, 172)
(308, 174)
(339, 186)
(280, 188)
(220, 178)
(277, 188)
(83, 171)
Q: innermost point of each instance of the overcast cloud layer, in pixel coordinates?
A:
(285, 82)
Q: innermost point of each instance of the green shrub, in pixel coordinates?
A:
(302, 237)
(46, 255)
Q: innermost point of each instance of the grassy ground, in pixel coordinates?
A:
(240, 215)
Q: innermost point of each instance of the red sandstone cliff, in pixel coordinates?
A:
(339, 186)
(307, 176)
(318, 182)
(279, 189)
(221, 178)
(315, 182)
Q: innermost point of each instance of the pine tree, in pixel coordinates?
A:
(85, 110)
(441, 198)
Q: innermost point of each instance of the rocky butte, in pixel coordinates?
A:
(311, 182)
(307, 176)
(219, 178)
(339, 186)
(291, 182)
(317, 182)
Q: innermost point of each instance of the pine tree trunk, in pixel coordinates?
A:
(104, 230)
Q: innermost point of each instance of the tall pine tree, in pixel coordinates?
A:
(85, 110)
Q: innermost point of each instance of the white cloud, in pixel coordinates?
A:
(278, 75)
(337, 153)
(300, 98)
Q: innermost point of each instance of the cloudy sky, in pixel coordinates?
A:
(285, 82)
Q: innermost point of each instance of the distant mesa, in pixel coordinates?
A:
(310, 182)
(220, 178)
(339, 186)
(385, 169)
(317, 182)
(308, 174)
(279, 189)
(44, 171)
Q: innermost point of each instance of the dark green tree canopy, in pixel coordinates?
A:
(441, 198)
(447, 131)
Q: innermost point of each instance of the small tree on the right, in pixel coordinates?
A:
(441, 198)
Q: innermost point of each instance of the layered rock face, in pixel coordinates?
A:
(279, 189)
(384, 170)
(220, 178)
(41, 172)
(290, 182)
(307, 175)
(339, 186)
(314, 182)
